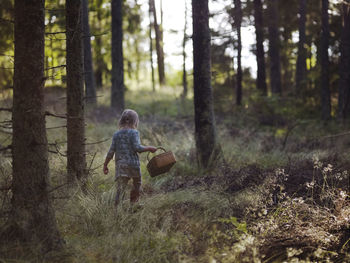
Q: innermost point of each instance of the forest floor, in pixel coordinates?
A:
(279, 193)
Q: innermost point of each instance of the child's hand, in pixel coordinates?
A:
(152, 149)
(105, 170)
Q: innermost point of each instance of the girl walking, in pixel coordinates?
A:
(125, 146)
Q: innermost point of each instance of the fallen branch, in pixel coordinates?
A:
(47, 113)
(91, 143)
(6, 109)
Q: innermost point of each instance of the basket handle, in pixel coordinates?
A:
(158, 148)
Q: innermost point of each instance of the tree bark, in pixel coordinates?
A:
(117, 57)
(100, 64)
(344, 65)
(184, 56)
(151, 45)
(203, 97)
(260, 54)
(159, 45)
(325, 92)
(76, 162)
(300, 75)
(32, 218)
(274, 48)
(238, 22)
(90, 85)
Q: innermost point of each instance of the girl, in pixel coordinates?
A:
(125, 145)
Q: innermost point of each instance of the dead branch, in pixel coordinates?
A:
(47, 113)
(91, 143)
(6, 109)
(57, 187)
(8, 147)
(6, 55)
(60, 66)
(2, 20)
(5, 188)
(57, 127)
(55, 33)
(93, 158)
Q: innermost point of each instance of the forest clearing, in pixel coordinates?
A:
(260, 131)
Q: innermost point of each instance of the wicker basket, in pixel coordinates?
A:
(160, 163)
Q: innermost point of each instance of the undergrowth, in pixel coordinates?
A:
(279, 194)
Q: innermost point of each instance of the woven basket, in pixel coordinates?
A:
(160, 163)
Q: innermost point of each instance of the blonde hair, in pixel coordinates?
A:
(129, 119)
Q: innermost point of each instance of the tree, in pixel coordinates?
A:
(300, 75)
(117, 57)
(238, 21)
(184, 56)
(159, 44)
(76, 162)
(274, 48)
(151, 44)
(90, 85)
(260, 54)
(32, 218)
(344, 64)
(325, 92)
(203, 98)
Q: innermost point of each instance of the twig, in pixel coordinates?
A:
(335, 135)
(8, 147)
(6, 109)
(60, 66)
(47, 113)
(57, 187)
(55, 33)
(57, 127)
(91, 143)
(2, 20)
(287, 134)
(93, 158)
(5, 188)
(6, 55)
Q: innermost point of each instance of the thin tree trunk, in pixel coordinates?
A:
(260, 54)
(117, 57)
(90, 85)
(32, 218)
(159, 45)
(344, 65)
(238, 22)
(100, 65)
(300, 75)
(76, 163)
(274, 48)
(184, 56)
(325, 92)
(203, 97)
(151, 45)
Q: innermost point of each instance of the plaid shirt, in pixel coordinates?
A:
(125, 145)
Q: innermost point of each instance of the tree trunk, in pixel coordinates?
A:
(203, 98)
(100, 65)
(344, 65)
(159, 45)
(32, 219)
(260, 54)
(274, 48)
(184, 56)
(325, 92)
(151, 45)
(238, 22)
(90, 85)
(117, 57)
(76, 163)
(300, 75)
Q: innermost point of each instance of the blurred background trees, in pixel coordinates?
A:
(280, 45)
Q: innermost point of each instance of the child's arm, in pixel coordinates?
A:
(137, 144)
(105, 165)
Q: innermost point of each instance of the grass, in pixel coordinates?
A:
(226, 214)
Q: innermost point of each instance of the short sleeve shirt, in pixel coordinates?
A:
(125, 145)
